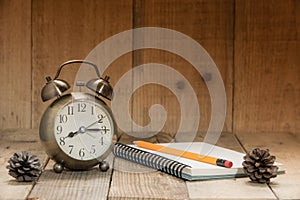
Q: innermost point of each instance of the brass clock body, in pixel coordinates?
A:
(77, 130)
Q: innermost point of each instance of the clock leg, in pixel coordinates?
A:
(103, 166)
(58, 167)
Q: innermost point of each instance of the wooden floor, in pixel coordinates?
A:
(118, 184)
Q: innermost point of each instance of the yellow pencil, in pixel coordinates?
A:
(184, 154)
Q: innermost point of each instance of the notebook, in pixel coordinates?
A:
(185, 168)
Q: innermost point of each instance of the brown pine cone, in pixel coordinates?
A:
(24, 166)
(258, 165)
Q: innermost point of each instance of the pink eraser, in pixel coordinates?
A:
(228, 164)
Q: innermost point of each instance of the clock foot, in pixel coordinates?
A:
(103, 166)
(58, 167)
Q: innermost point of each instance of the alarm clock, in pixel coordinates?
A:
(77, 129)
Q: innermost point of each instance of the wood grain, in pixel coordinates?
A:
(267, 72)
(229, 189)
(65, 30)
(150, 184)
(266, 45)
(90, 184)
(15, 63)
(240, 188)
(285, 146)
(211, 24)
(11, 141)
(133, 181)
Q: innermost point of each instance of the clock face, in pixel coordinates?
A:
(83, 129)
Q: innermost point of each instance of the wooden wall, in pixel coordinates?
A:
(267, 66)
(254, 43)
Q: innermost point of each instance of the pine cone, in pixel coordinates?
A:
(24, 166)
(258, 165)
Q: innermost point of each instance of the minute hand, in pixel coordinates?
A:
(99, 120)
(93, 129)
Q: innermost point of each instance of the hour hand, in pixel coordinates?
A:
(71, 134)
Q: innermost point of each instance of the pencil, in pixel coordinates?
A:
(184, 154)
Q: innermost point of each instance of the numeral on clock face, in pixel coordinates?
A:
(101, 117)
(81, 107)
(101, 141)
(70, 110)
(92, 110)
(62, 141)
(93, 149)
(59, 129)
(63, 118)
(71, 148)
(81, 153)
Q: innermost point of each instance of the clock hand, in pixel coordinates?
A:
(99, 129)
(98, 121)
(93, 129)
(71, 134)
(84, 129)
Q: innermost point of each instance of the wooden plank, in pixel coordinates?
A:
(267, 73)
(211, 24)
(133, 181)
(229, 189)
(11, 141)
(285, 146)
(15, 63)
(65, 30)
(240, 188)
(90, 184)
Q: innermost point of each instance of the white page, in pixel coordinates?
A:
(204, 169)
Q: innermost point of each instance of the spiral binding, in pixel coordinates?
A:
(148, 159)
